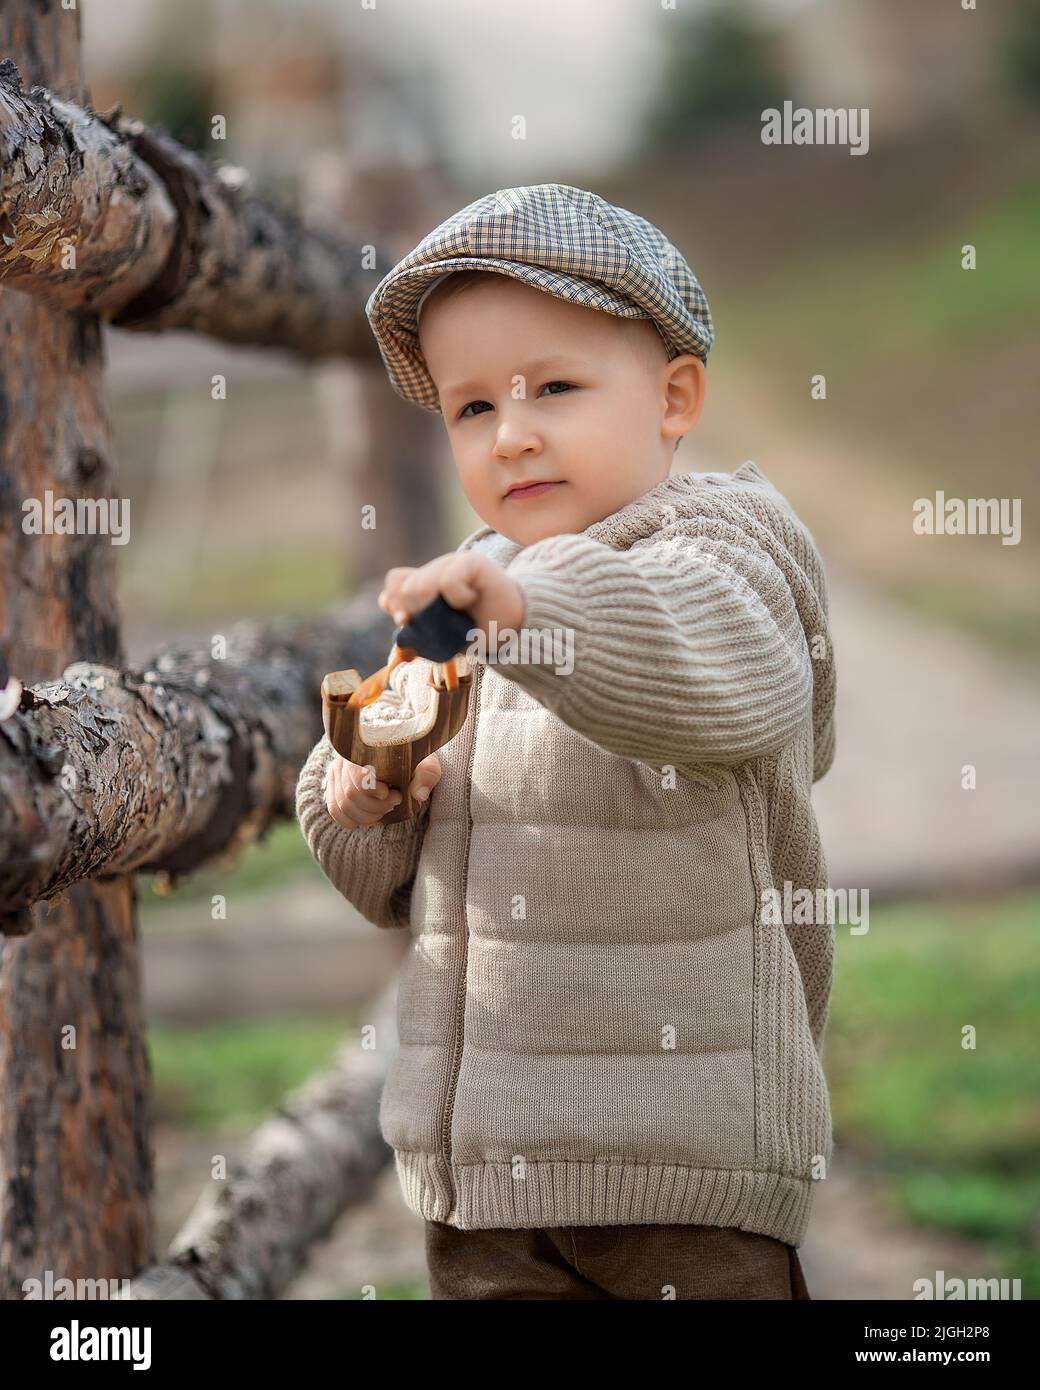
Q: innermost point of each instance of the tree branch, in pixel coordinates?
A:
(249, 1235)
(105, 772)
(102, 213)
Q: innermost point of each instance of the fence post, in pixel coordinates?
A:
(75, 1124)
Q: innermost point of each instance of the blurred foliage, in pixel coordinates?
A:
(950, 354)
(909, 298)
(1008, 627)
(720, 70)
(956, 1131)
(274, 862)
(178, 95)
(416, 1289)
(237, 1073)
(233, 580)
(405, 1290)
(1020, 51)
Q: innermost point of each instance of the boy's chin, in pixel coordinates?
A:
(526, 522)
(534, 529)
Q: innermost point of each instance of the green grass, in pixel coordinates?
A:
(410, 1289)
(929, 375)
(261, 581)
(1011, 627)
(957, 1131)
(927, 365)
(907, 300)
(277, 860)
(237, 1073)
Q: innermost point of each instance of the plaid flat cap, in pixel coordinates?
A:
(563, 240)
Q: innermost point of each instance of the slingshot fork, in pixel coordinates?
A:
(440, 703)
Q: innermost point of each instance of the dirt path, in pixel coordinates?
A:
(917, 704)
(916, 701)
(858, 1248)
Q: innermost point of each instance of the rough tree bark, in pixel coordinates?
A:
(105, 214)
(164, 769)
(75, 1146)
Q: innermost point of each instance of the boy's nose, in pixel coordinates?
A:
(512, 440)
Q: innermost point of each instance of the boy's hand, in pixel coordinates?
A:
(354, 797)
(475, 583)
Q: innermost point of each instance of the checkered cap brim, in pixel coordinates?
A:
(560, 239)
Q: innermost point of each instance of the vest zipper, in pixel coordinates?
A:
(460, 1007)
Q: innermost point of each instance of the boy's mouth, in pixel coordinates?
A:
(532, 489)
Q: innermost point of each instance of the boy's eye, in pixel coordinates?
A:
(464, 415)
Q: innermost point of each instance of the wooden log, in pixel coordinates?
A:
(321, 1153)
(86, 223)
(75, 1150)
(106, 214)
(106, 771)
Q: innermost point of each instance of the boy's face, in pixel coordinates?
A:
(534, 388)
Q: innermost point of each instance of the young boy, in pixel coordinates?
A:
(609, 1082)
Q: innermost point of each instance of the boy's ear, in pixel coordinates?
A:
(684, 383)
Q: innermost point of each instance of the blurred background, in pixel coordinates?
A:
(814, 261)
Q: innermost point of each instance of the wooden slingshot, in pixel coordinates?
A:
(429, 678)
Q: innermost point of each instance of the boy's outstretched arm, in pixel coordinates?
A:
(373, 866)
(687, 649)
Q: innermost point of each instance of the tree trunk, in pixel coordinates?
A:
(105, 771)
(398, 474)
(75, 1141)
(105, 214)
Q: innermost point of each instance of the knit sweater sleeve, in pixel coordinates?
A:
(373, 866)
(686, 649)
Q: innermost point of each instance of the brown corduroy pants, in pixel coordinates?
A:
(619, 1262)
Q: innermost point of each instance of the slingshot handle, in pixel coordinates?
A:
(394, 763)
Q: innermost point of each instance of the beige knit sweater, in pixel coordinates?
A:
(596, 1024)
